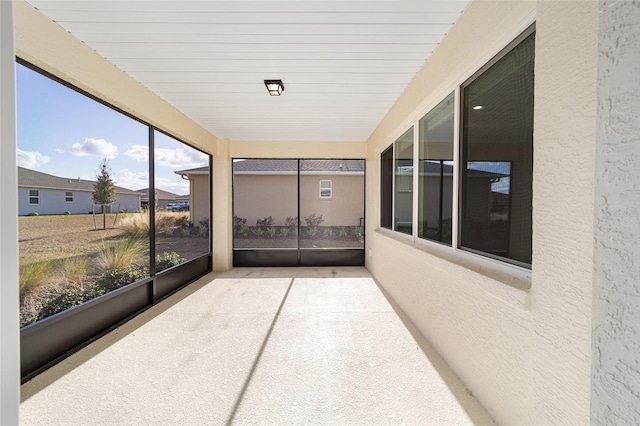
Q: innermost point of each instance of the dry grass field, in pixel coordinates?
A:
(64, 236)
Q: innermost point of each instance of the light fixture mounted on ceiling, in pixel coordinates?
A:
(275, 87)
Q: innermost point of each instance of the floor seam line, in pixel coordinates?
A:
(258, 356)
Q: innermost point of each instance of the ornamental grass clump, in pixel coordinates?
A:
(33, 276)
(135, 225)
(125, 253)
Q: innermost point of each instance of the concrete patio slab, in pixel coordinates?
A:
(258, 346)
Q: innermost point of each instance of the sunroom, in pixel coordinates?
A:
(472, 159)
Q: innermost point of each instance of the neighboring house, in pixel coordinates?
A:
(163, 198)
(331, 188)
(198, 197)
(42, 193)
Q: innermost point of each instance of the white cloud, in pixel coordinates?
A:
(139, 153)
(59, 151)
(174, 159)
(180, 158)
(133, 180)
(31, 159)
(95, 147)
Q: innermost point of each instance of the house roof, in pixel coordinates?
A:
(38, 180)
(322, 166)
(160, 194)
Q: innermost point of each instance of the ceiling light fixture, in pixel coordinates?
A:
(478, 107)
(275, 87)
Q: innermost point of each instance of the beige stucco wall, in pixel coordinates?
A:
(45, 44)
(258, 196)
(199, 200)
(524, 353)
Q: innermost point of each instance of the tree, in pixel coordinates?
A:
(104, 190)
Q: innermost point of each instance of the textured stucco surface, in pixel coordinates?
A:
(615, 397)
(524, 353)
(252, 346)
(563, 188)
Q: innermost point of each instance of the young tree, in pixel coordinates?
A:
(104, 190)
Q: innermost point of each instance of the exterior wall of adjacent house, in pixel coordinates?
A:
(199, 199)
(53, 201)
(257, 196)
(520, 340)
(615, 396)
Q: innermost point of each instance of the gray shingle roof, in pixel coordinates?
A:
(271, 165)
(160, 194)
(33, 179)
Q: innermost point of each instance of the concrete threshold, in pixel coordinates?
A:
(258, 346)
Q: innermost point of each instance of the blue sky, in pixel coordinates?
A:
(66, 134)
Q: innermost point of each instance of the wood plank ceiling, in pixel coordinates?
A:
(343, 63)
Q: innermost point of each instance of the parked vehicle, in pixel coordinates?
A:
(180, 207)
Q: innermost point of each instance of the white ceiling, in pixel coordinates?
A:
(343, 63)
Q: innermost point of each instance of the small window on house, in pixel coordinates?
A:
(326, 189)
(68, 197)
(386, 188)
(34, 196)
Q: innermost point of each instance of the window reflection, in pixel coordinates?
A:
(403, 203)
(435, 194)
(497, 157)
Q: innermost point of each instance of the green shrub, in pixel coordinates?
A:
(239, 222)
(68, 298)
(284, 232)
(271, 231)
(166, 260)
(115, 278)
(291, 221)
(313, 220)
(245, 230)
(265, 222)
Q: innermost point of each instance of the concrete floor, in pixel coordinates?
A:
(258, 346)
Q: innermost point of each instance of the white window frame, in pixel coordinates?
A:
(320, 188)
(68, 198)
(37, 197)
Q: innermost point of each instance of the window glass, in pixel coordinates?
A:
(403, 200)
(72, 246)
(182, 202)
(435, 181)
(325, 189)
(34, 196)
(386, 188)
(497, 157)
